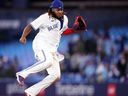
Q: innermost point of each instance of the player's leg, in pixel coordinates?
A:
(54, 74)
(45, 59)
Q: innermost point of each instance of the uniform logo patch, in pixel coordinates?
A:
(53, 27)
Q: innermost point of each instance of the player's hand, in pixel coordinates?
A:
(23, 40)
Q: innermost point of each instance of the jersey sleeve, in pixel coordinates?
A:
(65, 22)
(38, 22)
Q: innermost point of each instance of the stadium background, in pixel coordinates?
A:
(96, 61)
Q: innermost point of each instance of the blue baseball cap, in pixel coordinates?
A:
(57, 4)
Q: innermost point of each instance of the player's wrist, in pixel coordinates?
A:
(23, 36)
(75, 25)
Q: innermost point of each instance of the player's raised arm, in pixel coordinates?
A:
(25, 33)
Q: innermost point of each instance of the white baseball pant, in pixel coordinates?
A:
(46, 60)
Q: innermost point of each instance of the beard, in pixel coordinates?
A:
(55, 16)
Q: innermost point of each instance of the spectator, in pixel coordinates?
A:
(90, 69)
(101, 73)
(123, 63)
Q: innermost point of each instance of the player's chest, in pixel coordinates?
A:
(53, 25)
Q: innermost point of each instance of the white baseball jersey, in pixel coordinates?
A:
(50, 30)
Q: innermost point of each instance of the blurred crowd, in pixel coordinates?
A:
(96, 57)
(8, 66)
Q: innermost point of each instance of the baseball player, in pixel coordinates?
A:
(51, 26)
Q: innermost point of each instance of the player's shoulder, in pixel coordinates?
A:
(45, 15)
(65, 17)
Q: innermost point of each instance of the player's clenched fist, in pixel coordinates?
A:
(26, 31)
(22, 40)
